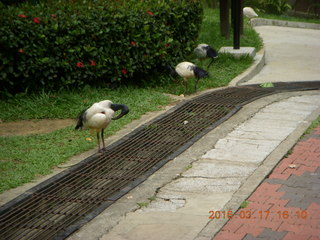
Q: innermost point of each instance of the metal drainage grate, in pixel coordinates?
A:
(59, 206)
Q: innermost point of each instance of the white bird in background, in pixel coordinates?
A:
(249, 12)
(188, 70)
(203, 51)
(98, 116)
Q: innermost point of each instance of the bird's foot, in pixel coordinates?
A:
(102, 150)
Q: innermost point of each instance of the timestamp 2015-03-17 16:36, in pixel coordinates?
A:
(247, 214)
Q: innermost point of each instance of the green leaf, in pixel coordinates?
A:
(244, 204)
(55, 26)
(88, 48)
(44, 60)
(267, 85)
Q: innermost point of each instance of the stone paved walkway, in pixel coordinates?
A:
(287, 204)
(222, 169)
(292, 54)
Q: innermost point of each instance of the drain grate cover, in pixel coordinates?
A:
(62, 204)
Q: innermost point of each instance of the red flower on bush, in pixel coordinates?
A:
(166, 45)
(150, 13)
(21, 50)
(133, 43)
(37, 20)
(53, 15)
(92, 63)
(124, 71)
(80, 64)
(22, 16)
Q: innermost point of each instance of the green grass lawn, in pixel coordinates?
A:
(23, 158)
(224, 67)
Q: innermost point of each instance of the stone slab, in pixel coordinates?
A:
(237, 53)
(240, 156)
(207, 169)
(160, 226)
(203, 185)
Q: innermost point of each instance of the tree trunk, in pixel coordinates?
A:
(241, 17)
(224, 18)
(236, 23)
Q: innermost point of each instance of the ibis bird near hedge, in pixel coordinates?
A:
(204, 51)
(188, 70)
(98, 116)
(249, 12)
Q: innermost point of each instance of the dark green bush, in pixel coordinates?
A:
(59, 44)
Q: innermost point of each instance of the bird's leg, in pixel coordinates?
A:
(102, 136)
(98, 137)
(210, 63)
(183, 85)
(186, 85)
(195, 85)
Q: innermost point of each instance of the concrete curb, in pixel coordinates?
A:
(263, 22)
(259, 62)
(213, 227)
(126, 205)
(252, 182)
(174, 168)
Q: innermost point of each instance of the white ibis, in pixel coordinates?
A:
(203, 51)
(188, 70)
(249, 12)
(98, 116)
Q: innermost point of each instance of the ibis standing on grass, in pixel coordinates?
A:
(204, 51)
(188, 70)
(98, 116)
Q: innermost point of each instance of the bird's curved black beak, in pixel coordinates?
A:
(124, 110)
(172, 71)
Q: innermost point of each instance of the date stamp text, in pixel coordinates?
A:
(247, 214)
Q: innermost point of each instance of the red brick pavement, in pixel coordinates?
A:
(286, 205)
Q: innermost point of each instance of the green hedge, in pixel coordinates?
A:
(63, 43)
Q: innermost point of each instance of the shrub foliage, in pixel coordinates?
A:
(61, 43)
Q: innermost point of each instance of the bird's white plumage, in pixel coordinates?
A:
(249, 12)
(98, 116)
(203, 45)
(200, 51)
(188, 70)
(204, 51)
(185, 69)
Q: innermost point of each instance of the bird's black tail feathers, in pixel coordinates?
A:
(200, 73)
(211, 52)
(80, 120)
